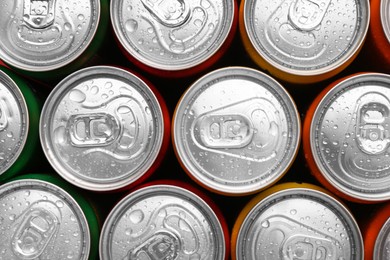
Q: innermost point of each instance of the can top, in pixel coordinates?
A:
(14, 122)
(39, 220)
(236, 130)
(385, 18)
(350, 136)
(162, 222)
(46, 35)
(299, 223)
(381, 249)
(172, 34)
(101, 128)
(306, 37)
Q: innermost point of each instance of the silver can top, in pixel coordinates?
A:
(306, 37)
(382, 243)
(172, 34)
(101, 128)
(350, 136)
(299, 223)
(14, 122)
(39, 220)
(162, 222)
(385, 17)
(236, 130)
(47, 34)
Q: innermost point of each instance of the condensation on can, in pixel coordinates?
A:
(303, 41)
(296, 221)
(162, 222)
(40, 220)
(174, 38)
(104, 128)
(236, 131)
(346, 137)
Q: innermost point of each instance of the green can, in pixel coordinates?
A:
(19, 120)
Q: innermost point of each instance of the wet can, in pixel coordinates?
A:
(51, 38)
(19, 121)
(104, 128)
(174, 38)
(346, 137)
(236, 131)
(302, 41)
(296, 221)
(164, 221)
(40, 220)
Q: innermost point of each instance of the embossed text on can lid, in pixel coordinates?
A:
(299, 223)
(14, 122)
(385, 18)
(101, 128)
(236, 130)
(162, 222)
(350, 136)
(39, 220)
(48, 34)
(306, 37)
(381, 249)
(172, 34)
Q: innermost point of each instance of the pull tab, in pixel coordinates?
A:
(306, 15)
(171, 13)
(3, 115)
(92, 129)
(226, 131)
(39, 14)
(161, 246)
(301, 247)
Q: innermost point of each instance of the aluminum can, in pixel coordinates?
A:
(376, 234)
(303, 41)
(346, 137)
(19, 120)
(48, 39)
(103, 128)
(174, 38)
(40, 220)
(296, 221)
(163, 221)
(236, 131)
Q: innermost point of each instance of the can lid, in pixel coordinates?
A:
(46, 35)
(172, 34)
(385, 17)
(350, 136)
(14, 122)
(101, 128)
(39, 220)
(306, 38)
(381, 249)
(236, 130)
(299, 223)
(162, 222)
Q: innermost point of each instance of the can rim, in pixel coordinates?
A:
(380, 240)
(385, 18)
(44, 129)
(183, 155)
(174, 66)
(152, 191)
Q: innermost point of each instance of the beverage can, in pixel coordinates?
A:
(236, 131)
(103, 128)
(301, 41)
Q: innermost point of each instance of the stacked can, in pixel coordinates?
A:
(174, 38)
(103, 128)
(19, 119)
(303, 41)
(51, 38)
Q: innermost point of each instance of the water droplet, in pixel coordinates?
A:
(177, 47)
(205, 4)
(67, 26)
(59, 203)
(77, 95)
(108, 85)
(184, 226)
(123, 109)
(265, 224)
(131, 25)
(128, 231)
(162, 213)
(136, 216)
(60, 135)
(198, 23)
(293, 211)
(147, 110)
(80, 17)
(273, 129)
(12, 217)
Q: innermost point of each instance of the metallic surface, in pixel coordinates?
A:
(299, 224)
(162, 222)
(350, 137)
(172, 34)
(382, 243)
(101, 128)
(48, 34)
(385, 18)
(14, 122)
(41, 221)
(236, 130)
